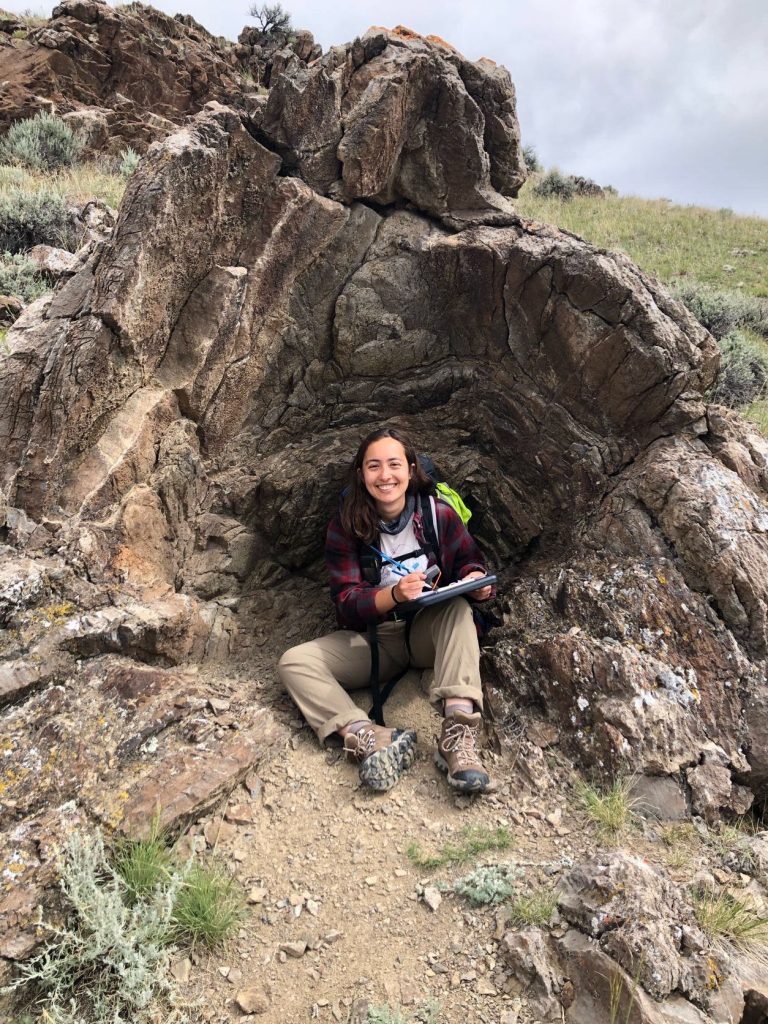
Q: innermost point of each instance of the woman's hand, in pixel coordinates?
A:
(409, 587)
(484, 592)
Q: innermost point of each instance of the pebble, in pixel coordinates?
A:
(485, 988)
(253, 1000)
(294, 949)
(432, 897)
(257, 895)
(180, 969)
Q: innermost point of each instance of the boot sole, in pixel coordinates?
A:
(460, 784)
(382, 770)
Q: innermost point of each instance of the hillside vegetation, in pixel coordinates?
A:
(714, 260)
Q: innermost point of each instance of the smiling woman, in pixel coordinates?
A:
(379, 557)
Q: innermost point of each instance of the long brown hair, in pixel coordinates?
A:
(359, 517)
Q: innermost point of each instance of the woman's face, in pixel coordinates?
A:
(386, 475)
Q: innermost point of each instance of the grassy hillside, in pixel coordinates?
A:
(671, 243)
(715, 260)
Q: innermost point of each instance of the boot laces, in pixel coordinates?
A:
(460, 738)
(366, 743)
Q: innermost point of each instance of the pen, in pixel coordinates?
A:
(399, 568)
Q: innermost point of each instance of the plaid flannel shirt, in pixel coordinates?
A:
(354, 597)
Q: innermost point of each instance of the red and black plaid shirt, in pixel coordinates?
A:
(354, 598)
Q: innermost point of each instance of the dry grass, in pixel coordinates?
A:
(611, 810)
(721, 915)
(92, 179)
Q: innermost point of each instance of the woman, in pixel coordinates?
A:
(384, 508)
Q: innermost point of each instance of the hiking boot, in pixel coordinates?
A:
(457, 755)
(383, 754)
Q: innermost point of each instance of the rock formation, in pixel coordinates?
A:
(177, 419)
(127, 76)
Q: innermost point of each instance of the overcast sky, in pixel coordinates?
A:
(656, 97)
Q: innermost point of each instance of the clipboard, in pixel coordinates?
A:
(445, 593)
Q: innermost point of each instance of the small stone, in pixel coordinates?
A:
(432, 897)
(253, 784)
(217, 705)
(180, 969)
(294, 949)
(235, 976)
(217, 831)
(257, 895)
(721, 876)
(455, 979)
(313, 907)
(371, 879)
(400, 872)
(469, 976)
(253, 1000)
(485, 988)
(224, 971)
(239, 814)
(555, 817)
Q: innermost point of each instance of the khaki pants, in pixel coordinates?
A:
(318, 674)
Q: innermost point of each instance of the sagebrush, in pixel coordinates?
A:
(494, 883)
(109, 961)
(43, 142)
(20, 276)
(743, 374)
(35, 218)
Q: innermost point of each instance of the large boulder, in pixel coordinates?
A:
(396, 117)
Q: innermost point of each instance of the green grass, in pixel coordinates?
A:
(757, 413)
(723, 915)
(144, 865)
(208, 907)
(474, 840)
(534, 908)
(670, 242)
(609, 809)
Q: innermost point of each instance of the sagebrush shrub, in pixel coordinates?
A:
(128, 162)
(43, 142)
(34, 218)
(743, 376)
(561, 186)
(721, 312)
(108, 962)
(20, 276)
(532, 161)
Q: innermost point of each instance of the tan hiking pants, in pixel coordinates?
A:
(319, 673)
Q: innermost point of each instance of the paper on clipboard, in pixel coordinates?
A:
(447, 593)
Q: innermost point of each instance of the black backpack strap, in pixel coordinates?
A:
(377, 711)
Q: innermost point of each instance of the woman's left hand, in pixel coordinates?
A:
(484, 592)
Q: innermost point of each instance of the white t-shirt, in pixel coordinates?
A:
(395, 545)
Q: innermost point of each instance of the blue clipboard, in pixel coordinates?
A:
(445, 594)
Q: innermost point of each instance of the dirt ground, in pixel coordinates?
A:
(325, 864)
